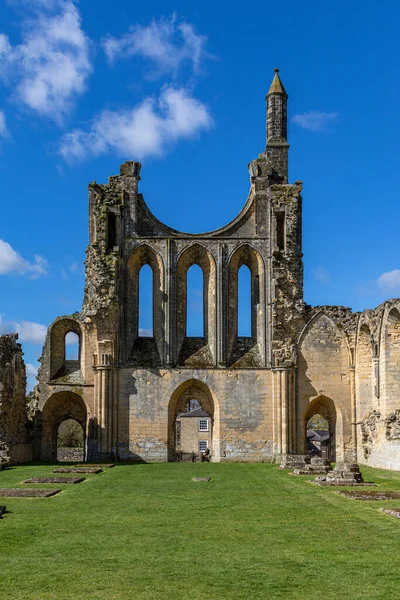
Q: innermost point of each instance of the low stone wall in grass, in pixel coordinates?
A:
(70, 454)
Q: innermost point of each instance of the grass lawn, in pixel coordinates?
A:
(149, 532)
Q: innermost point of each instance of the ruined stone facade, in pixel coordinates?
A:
(127, 389)
(15, 432)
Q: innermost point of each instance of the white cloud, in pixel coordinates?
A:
(51, 65)
(33, 333)
(31, 374)
(31, 370)
(315, 120)
(5, 46)
(146, 332)
(71, 339)
(12, 263)
(390, 281)
(322, 274)
(147, 129)
(166, 43)
(28, 331)
(3, 326)
(3, 126)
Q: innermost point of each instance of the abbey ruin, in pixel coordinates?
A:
(127, 389)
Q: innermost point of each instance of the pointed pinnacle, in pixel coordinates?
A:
(276, 85)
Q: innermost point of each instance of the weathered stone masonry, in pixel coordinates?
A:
(126, 389)
(15, 432)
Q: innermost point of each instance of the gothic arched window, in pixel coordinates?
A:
(244, 302)
(195, 302)
(145, 309)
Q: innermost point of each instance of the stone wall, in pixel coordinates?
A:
(324, 383)
(15, 432)
(70, 454)
(127, 389)
(240, 404)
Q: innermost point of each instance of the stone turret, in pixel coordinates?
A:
(277, 145)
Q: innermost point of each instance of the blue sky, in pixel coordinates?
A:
(180, 86)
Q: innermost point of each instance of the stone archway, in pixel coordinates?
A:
(325, 407)
(70, 441)
(193, 390)
(318, 437)
(58, 408)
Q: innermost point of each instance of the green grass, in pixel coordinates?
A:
(149, 532)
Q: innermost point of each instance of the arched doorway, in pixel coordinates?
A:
(320, 428)
(193, 422)
(70, 441)
(61, 407)
(318, 437)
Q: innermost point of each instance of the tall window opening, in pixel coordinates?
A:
(71, 346)
(280, 230)
(244, 302)
(111, 230)
(146, 301)
(195, 302)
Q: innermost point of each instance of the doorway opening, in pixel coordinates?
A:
(318, 437)
(70, 441)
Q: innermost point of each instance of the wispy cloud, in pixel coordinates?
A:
(3, 125)
(315, 120)
(146, 332)
(28, 331)
(74, 267)
(12, 263)
(389, 282)
(385, 286)
(31, 375)
(167, 44)
(50, 67)
(322, 274)
(147, 129)
(31, 370)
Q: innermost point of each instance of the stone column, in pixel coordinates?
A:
(106, 374)
(114, 443)
(283, 393)
(221, 298)
(167, 306)
(352, 373)
(279, 412)
(292, 411)
(377, 378)
(171, 307)
(285, 411)
(103, 412)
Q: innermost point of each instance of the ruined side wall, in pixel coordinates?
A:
(243, 413)
(64, 384)
(323, 378)
(15, 439)
(379, 416)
